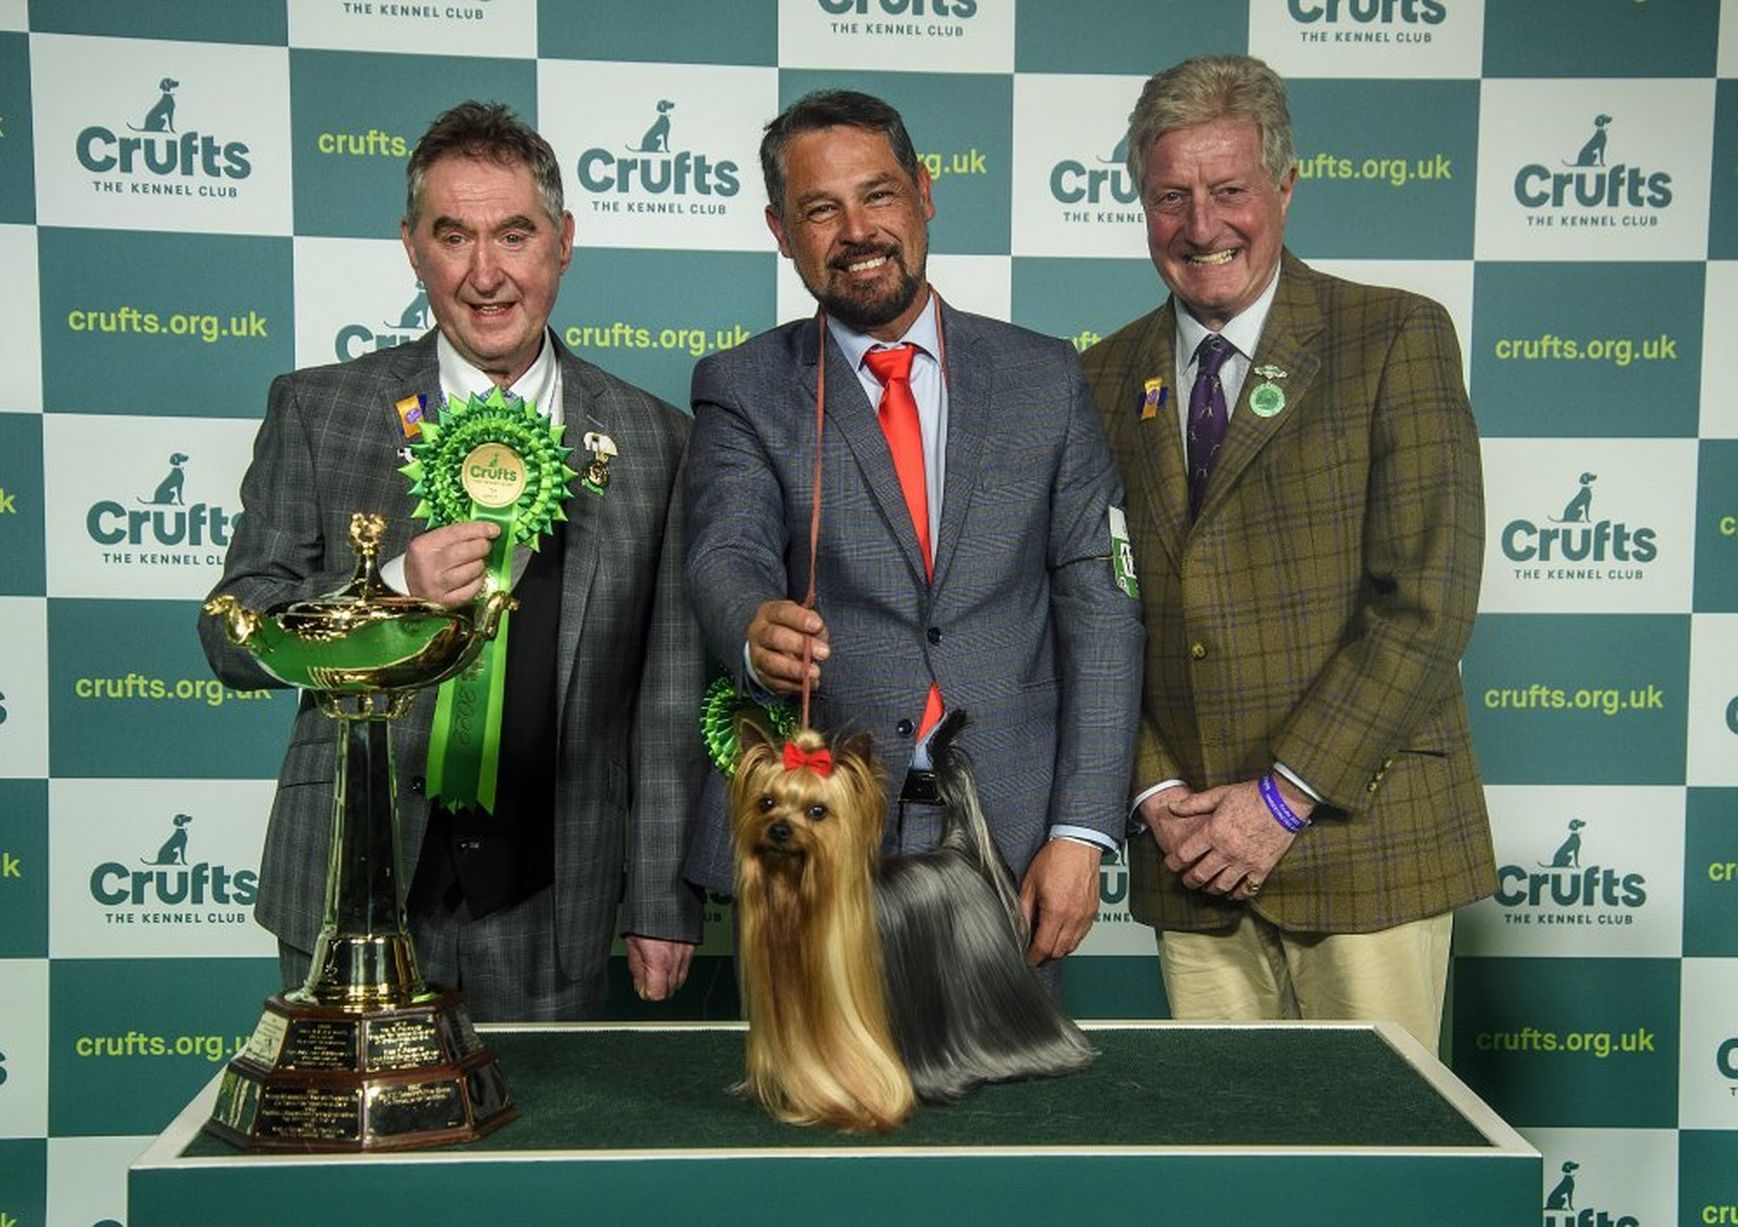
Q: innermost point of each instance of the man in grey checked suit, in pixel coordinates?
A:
(601, 755)
(1022, 627)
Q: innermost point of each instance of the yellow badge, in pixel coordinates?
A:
(410, 411)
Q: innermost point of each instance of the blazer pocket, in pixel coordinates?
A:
(309, 761)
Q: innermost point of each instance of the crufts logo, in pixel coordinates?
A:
(658, 168)
(353, 340)
(1563, 882)
(169, 878)
(163, 518)
(1561, 1211)
(163, 151)
(900, 8)
(1575, 536)
(1072, 182)
(1589, 181)
(1366, 12)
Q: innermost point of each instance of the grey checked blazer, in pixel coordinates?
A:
(629, 654)
(1023, 627)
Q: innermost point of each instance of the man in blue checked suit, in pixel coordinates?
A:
(965, 556)
(600, 745)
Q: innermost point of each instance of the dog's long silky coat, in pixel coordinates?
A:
(870, 984)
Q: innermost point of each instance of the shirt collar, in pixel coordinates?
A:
(1243, 329)
(539, 384)
(922, 333)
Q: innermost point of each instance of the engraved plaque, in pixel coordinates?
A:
(319, 1043)
(403, 1043)
(237, 1102)
(267, 1039)
(417, 1107)
(312, 1113)
(488, 1090)
(461, 1036)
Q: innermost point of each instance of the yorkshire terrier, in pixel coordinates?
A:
(871, 984)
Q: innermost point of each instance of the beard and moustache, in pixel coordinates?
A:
(869, 306)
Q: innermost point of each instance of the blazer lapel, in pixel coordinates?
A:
(969, 383)
(853, 417)
(1160, 438)
(1288, 343)
(581, 411)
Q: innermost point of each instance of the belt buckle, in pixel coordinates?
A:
(920, 788)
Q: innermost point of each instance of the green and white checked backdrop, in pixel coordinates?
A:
(194, 196)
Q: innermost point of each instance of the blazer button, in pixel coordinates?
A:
(416, 784)
(934, 634)
(1198, 650)
(904, 728)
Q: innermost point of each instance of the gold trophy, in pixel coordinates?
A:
(365, 1055)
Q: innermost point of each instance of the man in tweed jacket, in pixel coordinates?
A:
(601, 754)
(1022, 625)
(1303, 762)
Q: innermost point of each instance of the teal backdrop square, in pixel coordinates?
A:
(1575, 38)
(1723, 189)
(241, 280)
(17, 136)
(264, 22)
(680, 31)
(23, 1175)
(1541, 743)
(23, 570)
(1707, 1187)
(1371, 188)
(233, 739)
(1716, 581)
(23, 868)
(1711, 875)
(97, 1003)
(1083, 300)
(1136, 37)
(341, 101)
(1536, 325)
(1530, 999)
(615, 309)
(964, 119)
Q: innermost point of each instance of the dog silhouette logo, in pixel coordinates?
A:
(657, 137)
(416, 316)
(169, 491)
(1119, 155)
(161, 116)
(1562, 1197)
(174, 849)
(1579, 509)
(1593, 152)
(1568, 854)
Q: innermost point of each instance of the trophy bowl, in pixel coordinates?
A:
(365, 1055)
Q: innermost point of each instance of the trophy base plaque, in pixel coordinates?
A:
(320, 1079)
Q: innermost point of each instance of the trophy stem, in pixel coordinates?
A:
(363, 958)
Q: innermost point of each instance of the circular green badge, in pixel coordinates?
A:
(1267, 400)
(491, 455)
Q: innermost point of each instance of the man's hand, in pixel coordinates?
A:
(1167, 826)
(447, 564)
(1059, 898)
(658, 966)
(1239, 843)
(775, 645)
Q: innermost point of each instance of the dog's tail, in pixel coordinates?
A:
(965, 829)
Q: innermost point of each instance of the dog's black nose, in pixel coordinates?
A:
(779, 832)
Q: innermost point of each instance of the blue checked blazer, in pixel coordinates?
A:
(1023, 626)
(1315, 611)
(631, 666)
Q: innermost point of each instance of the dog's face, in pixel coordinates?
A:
(827, 805)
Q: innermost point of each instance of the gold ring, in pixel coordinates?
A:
(1253, 886)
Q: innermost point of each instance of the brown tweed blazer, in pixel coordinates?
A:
(1316, 611)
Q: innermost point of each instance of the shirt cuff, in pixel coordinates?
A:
(1084, 835)
(392, 575)
(1293, 776)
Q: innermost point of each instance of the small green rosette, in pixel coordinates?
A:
(488, 458)
(720, 709)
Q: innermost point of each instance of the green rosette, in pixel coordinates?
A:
(494, 459)
(721, 708)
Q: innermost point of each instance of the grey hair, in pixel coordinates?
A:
(492, 132)
(1208, 88)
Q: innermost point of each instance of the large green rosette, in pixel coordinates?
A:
(488, 458)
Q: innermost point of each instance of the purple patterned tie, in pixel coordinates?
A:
(1207, 417)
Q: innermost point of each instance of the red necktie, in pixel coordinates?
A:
(898, 414)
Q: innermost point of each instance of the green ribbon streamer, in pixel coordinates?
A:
(465, 739)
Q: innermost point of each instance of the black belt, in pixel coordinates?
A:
(920, 788)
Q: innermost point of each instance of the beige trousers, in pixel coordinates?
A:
(1257, 971)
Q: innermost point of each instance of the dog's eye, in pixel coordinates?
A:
(766, 804)
(817, 812)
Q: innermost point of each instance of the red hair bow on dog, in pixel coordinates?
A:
(817, 760)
